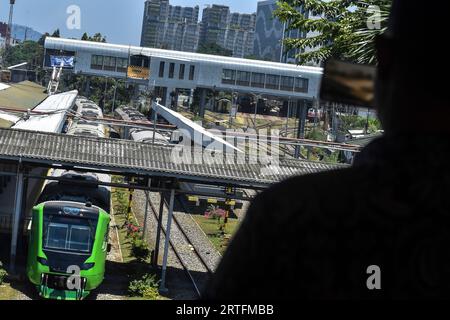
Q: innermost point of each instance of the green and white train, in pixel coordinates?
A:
(68, 240)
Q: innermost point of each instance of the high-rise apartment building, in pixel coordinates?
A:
(270, 33)
(170, 27)
(178, 28)
(232, 31)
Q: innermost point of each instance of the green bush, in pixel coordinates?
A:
(3, 273)
(352, 122)
(146, 287)
(150, 293)
(317, 135)
(140, 249)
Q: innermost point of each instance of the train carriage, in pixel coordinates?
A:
(69, 232)
(68, 248)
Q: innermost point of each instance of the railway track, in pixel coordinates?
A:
(186, 258)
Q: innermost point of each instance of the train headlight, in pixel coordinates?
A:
(87, 266)
(42, 261)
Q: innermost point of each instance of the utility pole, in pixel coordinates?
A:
(9, 28)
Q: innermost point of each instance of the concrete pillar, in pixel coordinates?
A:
(158, 231)
(202, 102)
(191, 99)
(16, 220)
(87, 91)
(168, 100)
(163, 288)
(303, 111)
(147, 202)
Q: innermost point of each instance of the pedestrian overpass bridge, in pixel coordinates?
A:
(167, 71)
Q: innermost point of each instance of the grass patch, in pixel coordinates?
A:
(211, 228)
(120, 205)
(8, 293)
(138, 269)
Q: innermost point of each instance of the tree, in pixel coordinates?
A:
(214, 49)
(340, 29)
(96, 38)
(56, 34)
(41, 41)
(27, 51)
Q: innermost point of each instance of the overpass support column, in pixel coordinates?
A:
(158, 231)
(303, 111)
(163, 288)
(87, 88)
(16, 218)
(147, 202)
(169, 97)
(202, 102)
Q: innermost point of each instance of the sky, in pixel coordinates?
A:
(119, 20)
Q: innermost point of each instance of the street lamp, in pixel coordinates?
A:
(214, 97)
(114, 98)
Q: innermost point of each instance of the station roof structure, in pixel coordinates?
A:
(50, 114)
(128, 157)
(21, 96)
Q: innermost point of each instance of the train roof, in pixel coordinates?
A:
(130, 114)
(147, 136)
(52, 113)
(76, 190)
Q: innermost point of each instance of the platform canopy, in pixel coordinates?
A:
(128, 157)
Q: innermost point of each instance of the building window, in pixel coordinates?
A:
(258, 80)
(301, 85)
(191, 72)
(272, 82)
(122, 64)
(97, 62)
(171, 70)
(162, 66)
(182, 70)
(243, 78)
(109, 64)
(287, 83)
(229, 76)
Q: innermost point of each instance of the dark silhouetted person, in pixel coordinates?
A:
(382, 223)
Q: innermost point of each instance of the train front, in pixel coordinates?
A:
(67, 249)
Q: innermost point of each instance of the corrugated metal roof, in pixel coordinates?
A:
(24, 95)
(53, 113)
(364, 141)
(141, 158)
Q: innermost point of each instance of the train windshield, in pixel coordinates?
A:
(68, 234)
